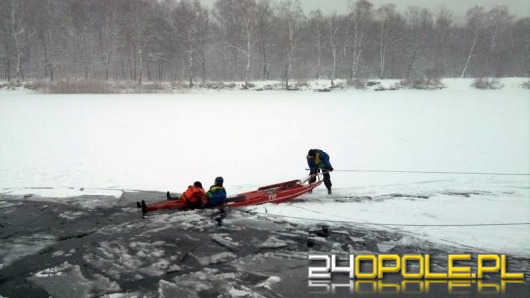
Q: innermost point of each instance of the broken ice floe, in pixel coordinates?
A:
(51, 194)
(225, 241)
(169, 290)
(71, 215)
(273, 242)
(61, 253)
(20, 247)
(385, 247)
(184, 220)
(125, 295)
(356, 239)
(131, 261)
(212, 283)
(67, 280)
(389, 245)
(269, 282)
(58, 253)
(4, 205)
(223, 257)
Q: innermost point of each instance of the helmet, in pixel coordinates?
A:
(311, 152)
(197, 184)
(219, 180)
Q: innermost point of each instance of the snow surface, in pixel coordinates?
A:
(61, 146)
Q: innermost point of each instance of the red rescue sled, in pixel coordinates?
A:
(275, 193)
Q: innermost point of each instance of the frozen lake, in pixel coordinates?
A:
(165, 142)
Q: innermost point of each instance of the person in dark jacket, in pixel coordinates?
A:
(319, 160)
(216, 194)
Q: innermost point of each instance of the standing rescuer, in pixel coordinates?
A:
(317, 160)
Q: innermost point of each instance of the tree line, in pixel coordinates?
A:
(246, 40)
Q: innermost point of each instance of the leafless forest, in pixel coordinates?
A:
(248, 40)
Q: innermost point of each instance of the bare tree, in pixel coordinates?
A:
(420, 32)
(333, 27)
(244, 32)
(264, 26)
(520, 48)
(475, 22)
(247, 39)
(443, 25)
(5, 50)
(316, 26)
(388, 22)
(109, 34)
(291, 21)
(190, 19)
(499, 22)
(229, 23)
(361, 14)
(17, 29)
(203, 33)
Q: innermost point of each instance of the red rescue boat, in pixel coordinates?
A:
(275, 193)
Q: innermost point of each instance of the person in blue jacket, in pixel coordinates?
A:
(319, 160)
(217, 193)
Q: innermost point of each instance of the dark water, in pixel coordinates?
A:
(199, 253)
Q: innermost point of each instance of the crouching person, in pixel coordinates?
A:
(319, 160)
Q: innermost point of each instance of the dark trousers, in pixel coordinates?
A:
(327, 178)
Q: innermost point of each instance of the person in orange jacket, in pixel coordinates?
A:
(193, 197)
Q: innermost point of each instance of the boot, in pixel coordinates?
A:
(329, 191)
(144, 207)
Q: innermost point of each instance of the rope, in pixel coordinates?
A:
(390, 224)
(383, 225)
(434, 172)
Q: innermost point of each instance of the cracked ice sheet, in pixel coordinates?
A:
(67, 280)
(132, 261)
(156, 222)
(213, 283)
(184, 220)
(20, 247)
(5, 205)
(439, 209)
(65, 192)
(71, 215)
(88, 199)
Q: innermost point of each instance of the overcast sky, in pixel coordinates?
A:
(458, 7)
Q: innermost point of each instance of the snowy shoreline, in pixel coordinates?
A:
(131, 87)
